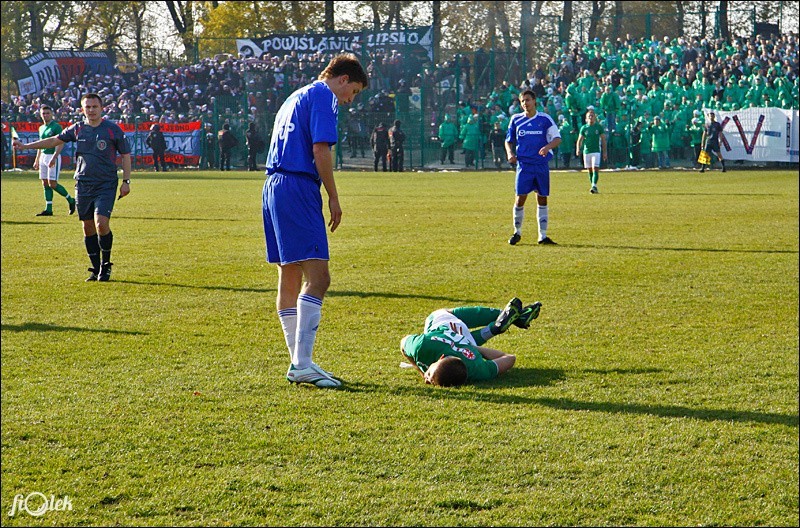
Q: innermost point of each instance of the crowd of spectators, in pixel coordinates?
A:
(632, 83)
(223, 84)
(626, 81)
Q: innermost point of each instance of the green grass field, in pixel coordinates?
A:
(658, 387)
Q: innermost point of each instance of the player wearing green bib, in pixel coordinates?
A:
(48, 161)
(448, 353)
(592, 138)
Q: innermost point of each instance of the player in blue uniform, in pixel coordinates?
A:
(298, 163)
(99, 142)
(530, 141)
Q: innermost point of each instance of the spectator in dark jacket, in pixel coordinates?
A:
(396, 139)
(227, 142)
(155, 140)
(380, 145)
(255, 145)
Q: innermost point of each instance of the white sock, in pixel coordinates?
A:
(486, 333)
(309, 312)
(542, 221)
(519, 216)
(288, 319)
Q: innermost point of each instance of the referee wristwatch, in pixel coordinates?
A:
(126, 181)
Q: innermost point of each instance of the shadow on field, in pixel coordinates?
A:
(543, 377)
(669, 411)
(174, 219)
(41, 327)
(198, 287)
(710, 250)
(393, 295)
(331, 293)
(25, 222)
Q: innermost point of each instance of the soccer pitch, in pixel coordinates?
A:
(658, 387)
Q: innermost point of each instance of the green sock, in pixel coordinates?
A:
(48, 198)
(595, 177)
(63, 192)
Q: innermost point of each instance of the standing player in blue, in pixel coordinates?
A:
(298, 163)
(530, 141)
(99, 142)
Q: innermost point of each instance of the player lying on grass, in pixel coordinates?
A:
(448, 353)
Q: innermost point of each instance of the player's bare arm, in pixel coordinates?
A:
(323, 158)
(503, 361)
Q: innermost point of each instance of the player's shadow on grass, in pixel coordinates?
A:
(177, 219)
(708, 250)
(25, 222)
(42, 327)
(542, 377)
(669, 411)
(331, 293)
(393, 295)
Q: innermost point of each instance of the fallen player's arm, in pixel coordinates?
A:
(503, 361)
(411, 360)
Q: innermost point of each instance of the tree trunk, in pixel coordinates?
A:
(329, 23)
(437, 30)
(37, 29)
(183, 18)
(681, 16)
(526, 31)
(502, 19)
(619, 13)
(597, 11)
(724, 30)
(566, 23)
(702, 19)
(376, 16)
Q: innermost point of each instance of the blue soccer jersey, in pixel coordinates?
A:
(530, 134)
(97, 149)
(308, 116)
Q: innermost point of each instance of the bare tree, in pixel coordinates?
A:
(34, 10)
(566, 22)
(502, 20)
(723, 19)
(598, 6)
(329, 25)
(394, 15)
(437, 30)
(619, 13)
(376, 16)
(182, 14)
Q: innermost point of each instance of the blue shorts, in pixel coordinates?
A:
(294, 227)
(532, 177)
(95, 198)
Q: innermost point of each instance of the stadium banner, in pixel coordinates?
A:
(410, 39)
(759, 134)
(58, 67)
(184, 142)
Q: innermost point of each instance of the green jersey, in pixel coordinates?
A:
(49, 130)
(591, 137)
(448, 334)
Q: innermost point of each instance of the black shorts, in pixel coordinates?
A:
(95, 198)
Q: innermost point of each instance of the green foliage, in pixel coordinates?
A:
(658, 387)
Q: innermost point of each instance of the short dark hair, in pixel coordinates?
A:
(45, 107)
(450, 373)
(92, 95)
(346, 64)
(529, 92)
